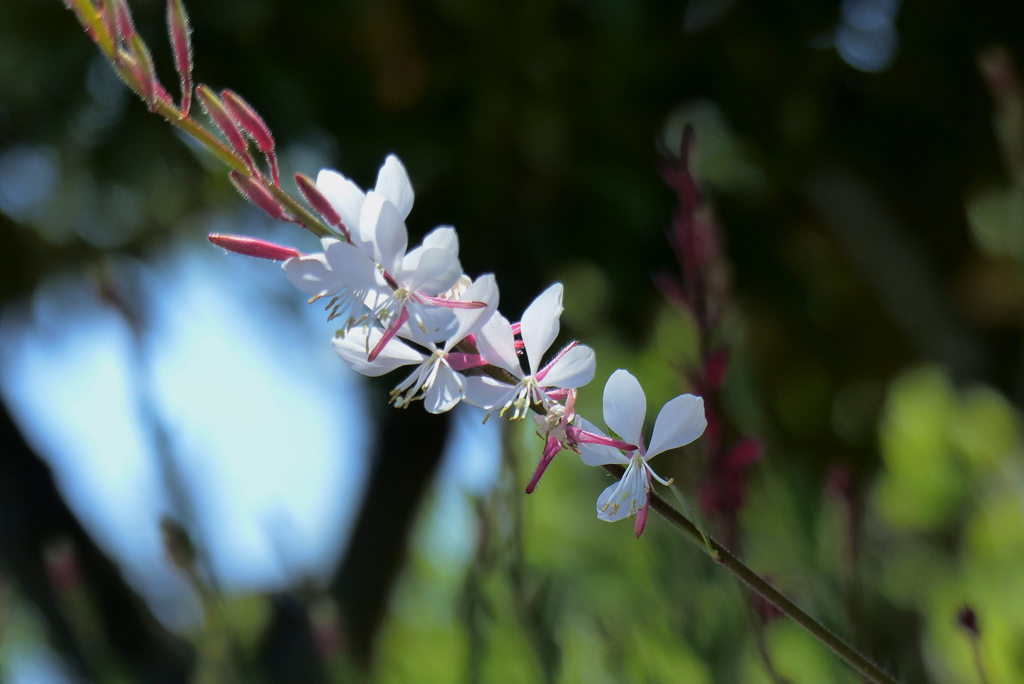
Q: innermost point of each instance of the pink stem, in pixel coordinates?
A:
(584, 437)
(460, 361)
(392, 330)
(450, 303)
(546, 369)
(550, 450)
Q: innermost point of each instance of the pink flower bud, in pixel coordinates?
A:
(125, 25)
(257, 194)
(317, 200)
(253, 124)
(144, 71)
(641, 519)
(219, 114)
(261, 249)
(246, 117)
(181, 42)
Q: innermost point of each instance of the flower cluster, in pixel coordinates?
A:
(401, 307)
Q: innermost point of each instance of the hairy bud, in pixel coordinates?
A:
(110, 23)
(257, 194)
(261, 249)
(144, 71)
(125, 25)
(219, 113)
(319, 202)
(253, 124)
(181, 42)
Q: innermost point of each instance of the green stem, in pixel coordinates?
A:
(978, 664)
(853, 658)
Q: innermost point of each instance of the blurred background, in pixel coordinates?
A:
(193, 488)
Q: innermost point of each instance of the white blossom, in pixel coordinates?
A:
(680, 422)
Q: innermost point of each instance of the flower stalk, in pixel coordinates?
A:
(126, 67)
(859, 662)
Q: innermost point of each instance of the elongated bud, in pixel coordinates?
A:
(219, 114)
(261, 249)
(110, 23)
(247, 117)
(641, 519)
(257, 194)
(252, 123)
(181, 42)
(144, 71)
(317, 200)
(125, 25)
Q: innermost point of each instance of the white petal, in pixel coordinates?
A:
(540, 324)
(440, 238)
(484, 289)
(445, 392)
(486, 392)
(381, 226)
(680, 422)
(393, 182)
(598, 454)
(344, 195)
(353, 349)
(497, 345)
(312, 275)
(353, 265)
(443, 237)
(624, 498)
(575, 368)
(428, 324)
(625, 406)
(430, 264)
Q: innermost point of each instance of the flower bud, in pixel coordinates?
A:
(257, 194)
(641, 519)
(253, 124)
(181, 42)
(215, 108)
(317, 200)
(110, 23)
(125, 25)
(261, 249)
(144, 71)
(246, 117)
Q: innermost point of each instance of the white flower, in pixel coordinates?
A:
(343, 271)
(573, 367)
(436, 379)
(680, 422)
(392, 183)
(408, 285)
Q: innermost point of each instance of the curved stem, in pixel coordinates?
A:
(853, 658)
